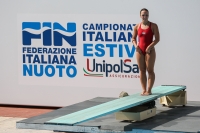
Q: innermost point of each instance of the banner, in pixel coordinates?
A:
(77, 50)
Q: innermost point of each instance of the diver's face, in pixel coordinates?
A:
(144, 15)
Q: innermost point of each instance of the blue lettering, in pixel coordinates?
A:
(122, 37)
(108, 69)
(36, 59)
(27, 69)
(68, 51)
(44, 51)
(115, 26)
(52, 70)
(58, 37)
(123, 27)
(86, 49)
(135, 68)
(129, 36)
(111, 47)
(85, 26)
(105, 26)
(68, 71)
(99, 37)
(90, 34)
(114, 36)
(24, 58)
(74, 51)
(99, 48)
(106, 37)
(120, 50)
(27, 37)
(24, 49)
(36, 70)
(129, 70)
(34, 50)
(28, 50)
(116, 68)
(47, 41)
(60, 70)
(84, 36)
(29, 57)
(72, 60)
(91, 27)
(129, 53)
(50, 51)
(47, 34)
(49, 70)
(129, 27)
(55, 60)
(49, 59)
(98, 26)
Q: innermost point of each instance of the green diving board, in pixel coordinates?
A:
(114, 106)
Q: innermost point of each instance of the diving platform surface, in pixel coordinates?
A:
(114, 106)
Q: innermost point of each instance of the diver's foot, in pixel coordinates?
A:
(143, 93)
(147, 93)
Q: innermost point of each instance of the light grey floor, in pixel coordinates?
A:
(8, 125)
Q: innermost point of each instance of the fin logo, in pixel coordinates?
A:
(48, 32)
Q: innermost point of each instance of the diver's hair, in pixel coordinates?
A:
(143, 9)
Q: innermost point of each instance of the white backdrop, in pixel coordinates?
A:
(177, 52)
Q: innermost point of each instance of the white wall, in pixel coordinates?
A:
(177, 52)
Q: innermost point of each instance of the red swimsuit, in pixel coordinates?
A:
(145, 38)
